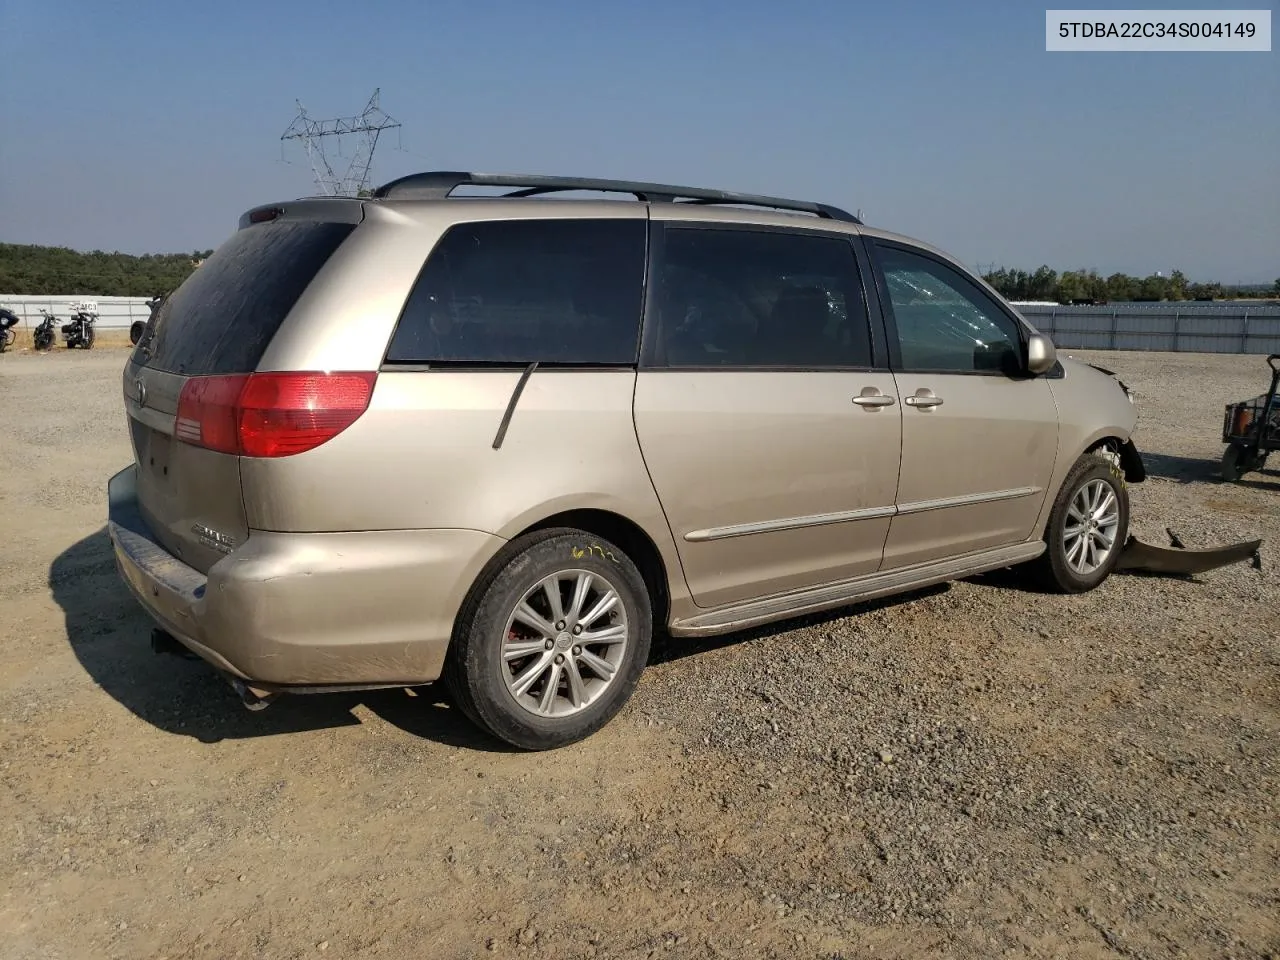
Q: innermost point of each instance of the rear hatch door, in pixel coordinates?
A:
(218, 323)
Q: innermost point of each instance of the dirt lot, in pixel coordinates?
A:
(975, 771)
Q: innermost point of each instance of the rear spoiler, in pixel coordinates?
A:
(320, 209)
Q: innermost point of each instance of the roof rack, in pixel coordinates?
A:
(439, 184)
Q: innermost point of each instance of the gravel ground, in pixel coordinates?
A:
(973, 771)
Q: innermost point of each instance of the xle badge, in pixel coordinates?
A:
(212, 538)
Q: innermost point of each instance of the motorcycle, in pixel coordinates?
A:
(43, 336)
(8, 320)
(79, 332)
(139, 327)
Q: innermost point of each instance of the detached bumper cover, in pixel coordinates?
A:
(1184, 561)
(306, 609)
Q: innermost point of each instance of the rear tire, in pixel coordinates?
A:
(1231, 469)
(1087, 527)
(552, 641)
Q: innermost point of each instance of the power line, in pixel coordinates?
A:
(366, 129)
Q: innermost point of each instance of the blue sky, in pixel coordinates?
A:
(148, 126)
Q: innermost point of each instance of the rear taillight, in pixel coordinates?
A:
(270, 414)
(207, 413)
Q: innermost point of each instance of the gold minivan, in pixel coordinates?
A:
(499, 439)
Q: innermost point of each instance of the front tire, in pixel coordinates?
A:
(552, 642)
(1087, 527)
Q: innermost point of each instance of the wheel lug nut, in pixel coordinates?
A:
(549, 644)
(559, 624)
(577, 630)
(577, 651)
(559, 658)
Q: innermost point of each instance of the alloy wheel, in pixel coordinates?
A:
(564, 643)
(1089, 534)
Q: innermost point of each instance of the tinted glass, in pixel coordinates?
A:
(760, 299)
(223, 316)
(944, 320)
(516, 291)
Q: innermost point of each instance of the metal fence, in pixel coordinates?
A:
(1178, 327)
(113, 312)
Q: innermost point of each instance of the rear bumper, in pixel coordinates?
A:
(306, 609)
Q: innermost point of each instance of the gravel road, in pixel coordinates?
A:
(973, 771)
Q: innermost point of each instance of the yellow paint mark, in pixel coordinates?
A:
(579, 553)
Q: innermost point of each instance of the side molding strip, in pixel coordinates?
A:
(846, 516)
(788, 523)
(920, 506)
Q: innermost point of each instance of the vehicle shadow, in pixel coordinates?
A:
(1182, 469)
(1260, 480)
(1009, 578)
(109, 635)
(1201, 470)
(667, 649)
(1017, 581)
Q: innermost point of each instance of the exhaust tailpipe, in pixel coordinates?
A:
(251, 698)
(163, 642)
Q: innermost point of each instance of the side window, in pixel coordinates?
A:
(759, 299)
(516, 291)
(945, 321)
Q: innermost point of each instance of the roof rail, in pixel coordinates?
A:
(439, 184)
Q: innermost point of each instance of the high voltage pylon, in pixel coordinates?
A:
(365, 129)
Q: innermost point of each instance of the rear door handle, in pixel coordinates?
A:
(872, 398)
(923, 398)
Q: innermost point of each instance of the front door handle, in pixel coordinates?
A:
(924, 399)
(871, 398)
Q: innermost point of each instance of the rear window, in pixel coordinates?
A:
(517, 291)
(223, 316)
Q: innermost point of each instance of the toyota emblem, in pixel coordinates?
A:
(141, 389)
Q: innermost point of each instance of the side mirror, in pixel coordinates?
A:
(1041, 355)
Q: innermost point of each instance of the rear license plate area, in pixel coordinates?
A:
(158, 455)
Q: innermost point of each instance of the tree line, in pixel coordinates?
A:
(1074, 286)
(32, 269)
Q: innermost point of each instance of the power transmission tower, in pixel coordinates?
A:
(365, 129)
